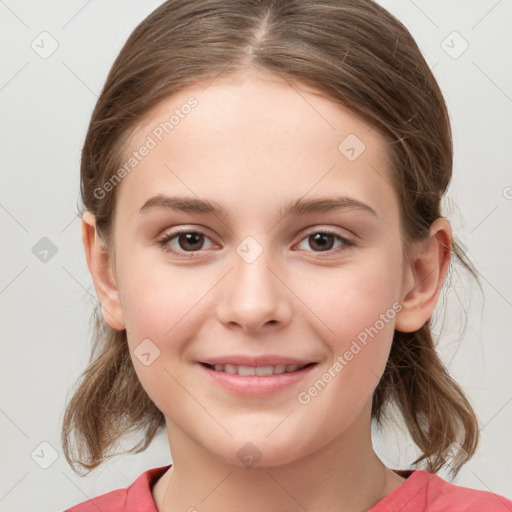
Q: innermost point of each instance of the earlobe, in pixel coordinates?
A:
(101, 269)
(424, 277)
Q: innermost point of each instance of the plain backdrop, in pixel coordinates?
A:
(55, 58)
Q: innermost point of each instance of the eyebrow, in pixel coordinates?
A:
(297, 207)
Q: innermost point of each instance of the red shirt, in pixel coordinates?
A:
(420, 492)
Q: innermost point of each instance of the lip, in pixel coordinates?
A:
(244, 360)
(255, 385)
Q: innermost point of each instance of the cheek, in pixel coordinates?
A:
(164, 309)
(160, 307)
(361, 315)
(358, 305)
(160, 299)
(352, 298)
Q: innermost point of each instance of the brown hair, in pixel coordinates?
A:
(357, 54)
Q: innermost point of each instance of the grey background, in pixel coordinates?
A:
(45, 105)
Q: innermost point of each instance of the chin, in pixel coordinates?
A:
(259, 452)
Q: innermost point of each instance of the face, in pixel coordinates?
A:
(258, 231)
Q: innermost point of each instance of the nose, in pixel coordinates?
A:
(253, 296)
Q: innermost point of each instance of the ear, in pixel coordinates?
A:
(424, 277)
(101, 269)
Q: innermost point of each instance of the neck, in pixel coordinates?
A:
(344, 475)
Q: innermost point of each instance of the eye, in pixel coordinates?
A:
(184, 242)
(324, 241)
(188, 243)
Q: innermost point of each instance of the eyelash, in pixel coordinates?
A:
(163, 242)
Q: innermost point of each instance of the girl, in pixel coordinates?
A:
(262, 185)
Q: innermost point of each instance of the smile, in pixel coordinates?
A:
(255, 381)
(234, 369)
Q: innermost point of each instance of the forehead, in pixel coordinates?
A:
(253, 135)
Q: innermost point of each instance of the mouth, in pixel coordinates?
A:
(260, 371)
(249, 380)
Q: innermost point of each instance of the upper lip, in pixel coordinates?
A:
(268, 360)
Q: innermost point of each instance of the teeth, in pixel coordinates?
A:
(278, 369)
(246, 370)
(230, 368)
(264, 370)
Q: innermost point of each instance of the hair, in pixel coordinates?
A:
(357, 54)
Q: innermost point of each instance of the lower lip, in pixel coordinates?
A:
(255, 385)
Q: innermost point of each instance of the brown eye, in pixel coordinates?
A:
(324, 241)
(190, 241)
(321, 241)
(185, 243)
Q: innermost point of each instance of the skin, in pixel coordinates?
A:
(252, 144)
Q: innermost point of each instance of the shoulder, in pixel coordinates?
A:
(113, 501)
(445, 495)
(135, 498)
(427, 492)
